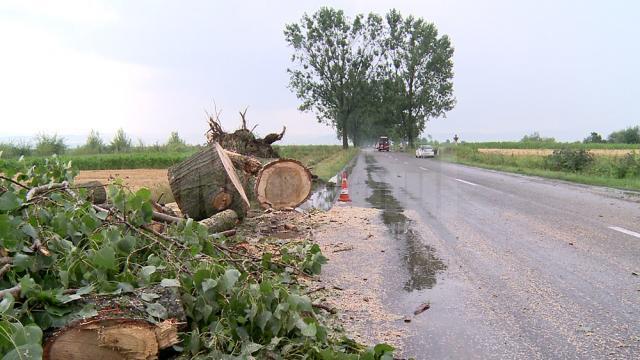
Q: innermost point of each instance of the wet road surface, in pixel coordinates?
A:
(512, 266)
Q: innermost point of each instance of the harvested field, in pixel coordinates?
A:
(153, 179)
(545, 152)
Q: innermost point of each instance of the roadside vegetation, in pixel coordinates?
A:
(323, 160)
(96, 154)
(61, 255)
(576, 163)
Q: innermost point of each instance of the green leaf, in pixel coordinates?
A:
(102, 215)
(9, 201)
(144, 194)
(228, 279)
(169, 283)
(149, 297)
(6, 303)
(208, 284)
(25, 352)
(147, 271)
(250, 347)
(105, 258)
(156, 310)
(29, 230)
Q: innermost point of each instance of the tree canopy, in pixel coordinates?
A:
(370, 76)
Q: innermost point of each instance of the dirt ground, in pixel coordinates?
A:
(545, 152)
(136, 178)
(153, 179)
(352, 280)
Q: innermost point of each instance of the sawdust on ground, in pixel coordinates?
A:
(352, 280)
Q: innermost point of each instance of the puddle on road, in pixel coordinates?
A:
(422, 263)
(324, 194)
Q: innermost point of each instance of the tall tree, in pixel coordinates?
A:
(419, 82)
(334, 60)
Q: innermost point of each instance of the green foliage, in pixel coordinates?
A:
(175, 143)
(594, 138)
(47, 145)
(569, 160)
(536, 138)
(120, 142)
(132, 160)
(93, 145)
(334, 57)
(15, 150)
(418, 74)
(627, 167)
(236, 306)
(629, 135)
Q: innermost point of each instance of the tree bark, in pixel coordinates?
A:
(122, 329)
(221, 221)
(196, 182)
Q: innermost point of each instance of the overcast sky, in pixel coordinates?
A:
(563, 68)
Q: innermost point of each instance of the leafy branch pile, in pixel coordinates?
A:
(57, 249)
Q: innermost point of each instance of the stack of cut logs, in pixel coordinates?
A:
(215, 186)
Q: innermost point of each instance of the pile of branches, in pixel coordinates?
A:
(59, 251)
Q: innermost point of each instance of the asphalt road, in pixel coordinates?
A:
(512, 266)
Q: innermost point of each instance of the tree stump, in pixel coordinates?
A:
(283, 183)
(122, 329)
(198, 183)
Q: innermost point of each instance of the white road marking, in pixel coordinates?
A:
(466, 182)
(424, 168)
(625, 231)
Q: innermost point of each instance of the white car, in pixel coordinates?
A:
(425, 151)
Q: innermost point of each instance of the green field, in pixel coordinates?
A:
(548, 145)
(620, 172)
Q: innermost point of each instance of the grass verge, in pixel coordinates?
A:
(324, 160)
(624, 183)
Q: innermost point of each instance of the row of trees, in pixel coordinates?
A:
(46, 145)
(371, 75)
(630, 135)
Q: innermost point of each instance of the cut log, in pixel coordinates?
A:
(122, 329)
(95, 190)
(222, 200)
(231, 172)
(196, 181)
(221, 221)
(283, 183)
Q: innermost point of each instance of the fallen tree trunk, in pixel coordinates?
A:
(201, 186)
(122, 329)
(221, 221)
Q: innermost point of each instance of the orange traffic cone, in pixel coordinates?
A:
(344, 193)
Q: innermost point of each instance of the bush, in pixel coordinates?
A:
(49, 145)
(535, 137)
(627, 166)
(11, 150)
(629, 135)
(175, 143)
(569, 160)
(120, 142)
